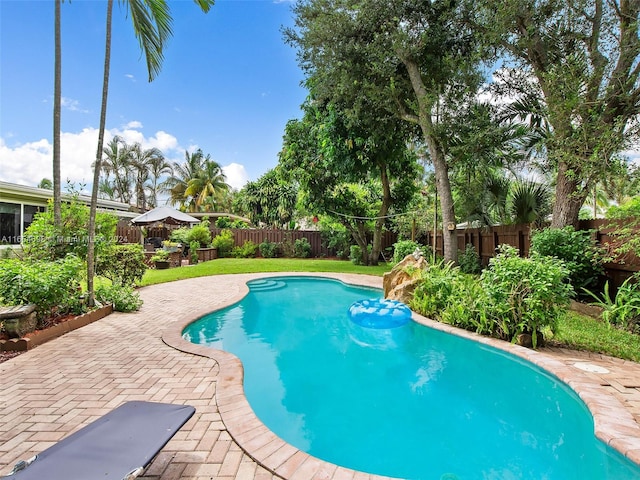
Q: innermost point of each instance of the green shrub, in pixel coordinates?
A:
(122, 264)
(224, 222)
(355, 255)
(42, 241)
(302, 248)
(161, 255)
(469, 260)
(623, 310)
(224, 242)
(123, 297)
(433, 293)
(193, 252)
(269, 249)
(53, 287)
(578, 251)
(201, 234)
(247, 250)
(525, 294)
(403, 248)
(180, 235)
(335, 237)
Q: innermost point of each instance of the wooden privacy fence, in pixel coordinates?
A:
(130, 234)
(486, 240)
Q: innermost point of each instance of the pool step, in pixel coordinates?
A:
(265, 285)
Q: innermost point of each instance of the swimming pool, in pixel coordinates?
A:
(408, 402)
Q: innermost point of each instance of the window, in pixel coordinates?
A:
(14, 220)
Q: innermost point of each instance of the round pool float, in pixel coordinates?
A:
(379, 313)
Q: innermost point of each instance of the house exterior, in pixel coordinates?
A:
(20, 203)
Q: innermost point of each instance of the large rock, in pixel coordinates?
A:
(400, 283)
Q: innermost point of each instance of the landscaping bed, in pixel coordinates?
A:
(9, 347)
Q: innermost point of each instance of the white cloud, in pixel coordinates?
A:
(130, 77)
(73, 105)
(236, 175)
(28, 163)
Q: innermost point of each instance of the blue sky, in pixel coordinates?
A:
(228, 85)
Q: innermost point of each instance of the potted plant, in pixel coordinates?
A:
(161, 258)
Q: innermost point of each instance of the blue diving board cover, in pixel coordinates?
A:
(118, 445)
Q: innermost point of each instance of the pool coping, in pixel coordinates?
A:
(613, 423)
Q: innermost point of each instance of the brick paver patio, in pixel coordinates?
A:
(60, 386)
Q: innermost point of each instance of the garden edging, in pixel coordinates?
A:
(39, 337)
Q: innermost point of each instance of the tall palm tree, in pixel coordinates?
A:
(176, 185)
(158, 166)
(152, 27)
(209, 183)
(140, 162)
(116, 161)
(57, 100)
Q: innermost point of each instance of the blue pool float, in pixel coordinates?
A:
(379, 313)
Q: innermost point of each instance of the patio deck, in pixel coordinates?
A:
(55, 389)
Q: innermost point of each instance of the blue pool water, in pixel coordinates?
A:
(408, 402)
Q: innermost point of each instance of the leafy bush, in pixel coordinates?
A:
(625, 227)
(578, 251)
(469, 260)
(623, 310)
(226, 222)
(224, 242)
(404, 248)
(161, 255)
(302, 248)
(53, 287)
(180, 235)
(437, 286)
(269, 249)
(123, 297)
(248, 250)
(122, 264)
(42, 241)
(201, 234)
(525, 294)
(335, 237)
(193, 252)
(355, 255)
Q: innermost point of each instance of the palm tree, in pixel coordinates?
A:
(140, 161)
(116, 161)
(176, 185)
(57, 99)
(529, 202)
(158, 166)
(152, 27)
(209, 183)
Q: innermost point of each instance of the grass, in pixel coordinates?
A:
(580, 332)
(576, 331)
(224, 266)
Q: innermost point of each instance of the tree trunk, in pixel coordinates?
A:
(57, 98)
(384, 210)
(569, 199)
(98, 163)
(443, 186)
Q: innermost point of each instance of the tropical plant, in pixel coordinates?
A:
(525, 295)
(623, 309)
(122, 264)
(123, 297)
(469, 260)
(43, 241)
(52, 286)
(528, 202)
(302, 248)
(247, 250)
(140, 161)
(161, 255)
(224, 242)
(578, 251)
(115, 162)
(268, 249)
(208, 184)
(405, 247)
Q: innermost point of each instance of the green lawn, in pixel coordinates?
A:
(575, 331)
(224, 266)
